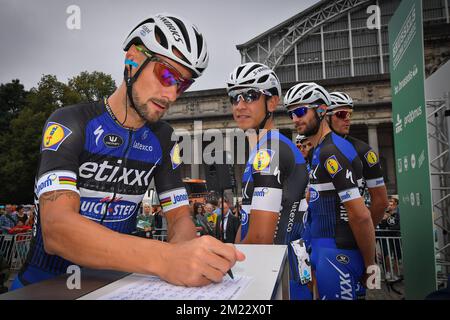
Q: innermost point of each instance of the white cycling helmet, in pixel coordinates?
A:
(340, 99)
(306, 93)
(165, 33)
(254, 75)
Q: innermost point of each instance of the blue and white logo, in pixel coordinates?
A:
(261, 193)
(313, 194)
(244, 217)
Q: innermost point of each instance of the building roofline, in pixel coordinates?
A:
(281, 25)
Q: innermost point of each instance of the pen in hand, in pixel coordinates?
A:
(230, 274)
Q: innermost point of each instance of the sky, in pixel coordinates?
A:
(35, 39)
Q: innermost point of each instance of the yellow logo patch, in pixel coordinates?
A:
(54, 136)
(372, 158)
(175, 156)
(333, 166)
(262, 160)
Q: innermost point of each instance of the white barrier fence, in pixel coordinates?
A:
(14, 249)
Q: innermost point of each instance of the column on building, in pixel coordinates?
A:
(373, 137)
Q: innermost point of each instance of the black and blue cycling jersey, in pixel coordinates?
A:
(275, 180)
(85, 150)
(335, 178)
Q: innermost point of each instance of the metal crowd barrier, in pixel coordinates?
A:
(14, 248)
(389, 255)
(160, 234)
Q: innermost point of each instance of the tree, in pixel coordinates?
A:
(12, 101)
(20, 144)
(92, 86)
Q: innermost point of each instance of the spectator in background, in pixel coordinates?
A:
(229, 225)
(211, 213)
(22, 217)
(30, 221)
(7, 220)
(145, 221)
(200, 219)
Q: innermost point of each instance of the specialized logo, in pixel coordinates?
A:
(372, 158)
(98, 133)
(54, 136)
(262, 160)
(175, 156)
(333, 166)
(112, 140)
(341, 258)
(349, 176)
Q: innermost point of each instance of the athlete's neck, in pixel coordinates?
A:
(122, 109)
(324, 129)
(253, 138)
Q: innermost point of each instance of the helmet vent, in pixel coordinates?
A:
(161, 37)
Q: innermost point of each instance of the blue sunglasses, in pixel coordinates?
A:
(300, 111)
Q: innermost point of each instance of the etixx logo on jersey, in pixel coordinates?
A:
(112, 140)
(333, 166)
(371, 157)
(54, 135)
(262, 160)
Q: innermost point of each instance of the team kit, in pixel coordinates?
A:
(307, 194)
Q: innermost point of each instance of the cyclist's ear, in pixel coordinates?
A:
(272, 103)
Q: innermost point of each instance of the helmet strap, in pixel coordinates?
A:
(268, 115)
(129, 81)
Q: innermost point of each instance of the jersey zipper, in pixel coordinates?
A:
(124, 159)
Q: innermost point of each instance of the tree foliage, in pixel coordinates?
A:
(23, 115)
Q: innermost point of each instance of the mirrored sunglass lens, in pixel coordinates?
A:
(343, 114)
(299, 112)
(167, 77)
(252, 95)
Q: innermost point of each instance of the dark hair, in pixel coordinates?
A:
(213, 202)
(196, 206)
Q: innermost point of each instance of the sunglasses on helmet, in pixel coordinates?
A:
(249, 95)
(167, 74)
(342, 114)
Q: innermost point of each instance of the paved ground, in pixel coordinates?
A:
(387, 292)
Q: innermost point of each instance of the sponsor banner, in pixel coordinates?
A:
(56, 180)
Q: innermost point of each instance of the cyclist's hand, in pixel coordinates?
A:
(198, 262)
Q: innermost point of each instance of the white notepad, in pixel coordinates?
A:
(144, 287)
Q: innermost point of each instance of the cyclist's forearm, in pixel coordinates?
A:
(364, 233)
(379, 203)
(89, 244)
(180, 225)
(377, 212)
